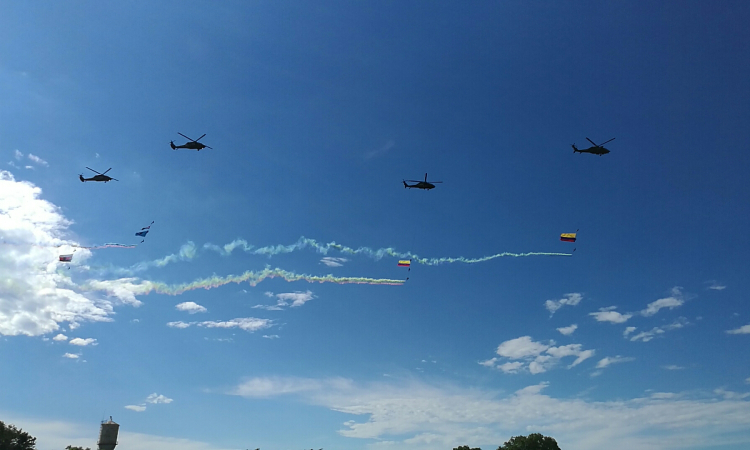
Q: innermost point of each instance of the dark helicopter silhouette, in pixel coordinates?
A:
(192, 145)
(421, 184)
(98, 177)
(596, 149)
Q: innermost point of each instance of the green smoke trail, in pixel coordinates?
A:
(378, 254)
(251, 277)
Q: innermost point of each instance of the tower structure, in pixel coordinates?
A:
(108, 435)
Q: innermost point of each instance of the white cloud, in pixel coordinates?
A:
(52, 434)
(418, 416)
(730, 395)
(511, 367)
(521, 347)
(380, 151)
(333, 262)
(628, 330)
(747, 380)
(609, 315)
(609, 360)
(535, 357)
(669, 302)
(71, 356)
(745, 329)
(287, 299)
(248, 324)
(715, 285)
(191, 307)
(270, 387)
(672, 367)
(646, 336)
(83, 342)
(35, 298)
(571, 299)
(136, 408)
(158, 398)
(18, 155)
(567, 331)
(60, 337)
(271, 336)
(37, 160)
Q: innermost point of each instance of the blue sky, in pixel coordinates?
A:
(316, 111)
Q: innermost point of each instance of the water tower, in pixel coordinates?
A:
(108, 435)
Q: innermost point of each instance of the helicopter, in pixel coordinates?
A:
(596, 149)
(192, 145)
(421, 184)
(98, 177)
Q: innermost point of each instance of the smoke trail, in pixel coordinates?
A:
(378, 254)
(127, 287)
(108, 245)
(188, 252)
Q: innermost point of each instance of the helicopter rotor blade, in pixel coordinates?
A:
(199, 138)
(114, 179)
(92, 170)
(184, 136)
(592, 142)
(107, 171)
(608, 141)
(209, 147)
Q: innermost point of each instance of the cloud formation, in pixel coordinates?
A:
(416, 415)
(37, 160)
(154, 399)
(610, 315)
(609, 360)
(646, 336)
(526, 354)
(35, 298)
(157, 399)
(571, 299)
(331, 261)
(83, 342)
(567, 331)
(670, 302)
(287, 299)
(190, 307)
(249, 324)
(745, 329)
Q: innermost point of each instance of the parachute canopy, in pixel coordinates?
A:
(404, 263)
(568, 237)
(66, 258)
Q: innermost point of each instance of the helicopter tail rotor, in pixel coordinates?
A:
(171, 144)
(81, 177)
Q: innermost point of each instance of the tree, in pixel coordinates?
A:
(534, 441)
(466, 447)
(70, 447)
(12, 438)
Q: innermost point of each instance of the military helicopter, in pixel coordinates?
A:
(596, 149)
(99, 177)
(192, 145)
(421, 184)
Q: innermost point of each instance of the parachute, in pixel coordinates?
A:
(568, 237)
